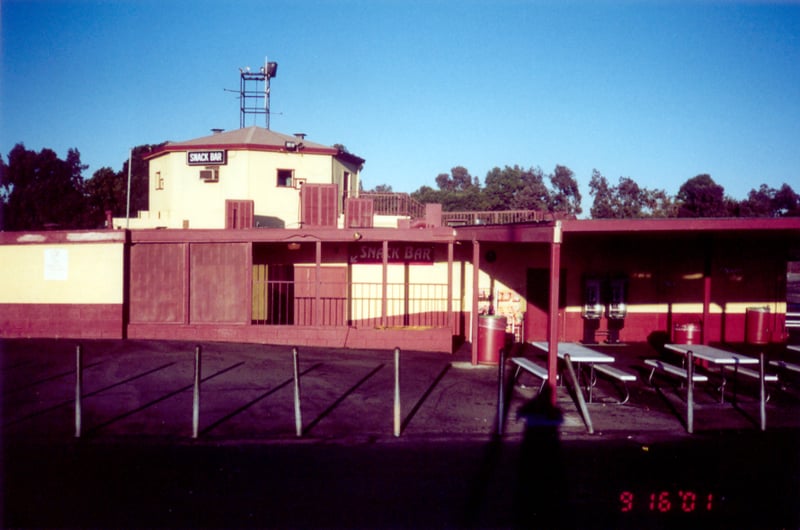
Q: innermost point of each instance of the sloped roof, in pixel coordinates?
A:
(254, 139)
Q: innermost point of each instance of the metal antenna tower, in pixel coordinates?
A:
(254, 91)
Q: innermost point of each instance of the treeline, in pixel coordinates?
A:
(38, 190)
(517, 188)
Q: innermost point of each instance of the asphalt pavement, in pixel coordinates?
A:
(355, 463)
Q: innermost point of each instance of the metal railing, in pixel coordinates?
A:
(400, 204)
(494, 217)
(358, 304)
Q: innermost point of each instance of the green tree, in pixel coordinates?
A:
(769, 202)
(515, 188)
(626, 200)
(381, 188)
(785, 202)
(659, 203)
(566, 196)
(43, 191)
(459, 179)
(105, 191)
(700, 196)
(604, 197)
(458, 191)
(3, 192)
(140, 178)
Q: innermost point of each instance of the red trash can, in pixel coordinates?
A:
(756, 329)
(686, 333)
(491, 337)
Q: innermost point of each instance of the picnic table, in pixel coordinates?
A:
(570, 352)
(722, 359)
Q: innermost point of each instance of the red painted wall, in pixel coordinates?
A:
(95, 321)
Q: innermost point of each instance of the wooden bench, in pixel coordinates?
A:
(530, 366)
(747, 372)
(793, 369)
(616, 374)
(783, 365)
(673, 370)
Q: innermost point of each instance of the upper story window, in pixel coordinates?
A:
(159, 181)
(285, 178)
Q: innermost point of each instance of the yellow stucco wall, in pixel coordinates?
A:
(177, 194)
(62, 273)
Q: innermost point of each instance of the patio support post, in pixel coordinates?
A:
(196, 393)
(317, 286)
(78, 389)
(762, 391)
(476, 267)
(690, 392)
(450, 286)
(552, 313)
(385, 285)
(704, 330)
(187, 282)
(298, 414)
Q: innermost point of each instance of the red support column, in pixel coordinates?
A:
(248, 277)
(552, 313)
(450, 286)
(385, 286)
(317, 287)
(476, 267)
(187, 282)
(704, 330)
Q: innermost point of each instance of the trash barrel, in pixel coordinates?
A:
(491, 337)
(686, 333)
(756, 328)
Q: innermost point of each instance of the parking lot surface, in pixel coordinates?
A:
(137, 462)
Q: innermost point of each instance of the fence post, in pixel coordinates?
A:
(762, 391)
(298, 416)
(397, 392)
(501, 394)
(78, 389)
(196, 397)
(690, 392)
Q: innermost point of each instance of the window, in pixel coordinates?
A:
(159, 181)
(209, 174)
(285, 178)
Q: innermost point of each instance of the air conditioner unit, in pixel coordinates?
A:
(209, 175)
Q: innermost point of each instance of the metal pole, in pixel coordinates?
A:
(128, 206)
(578, 393)
(690, 392)
(196, 399)
(397, 392)
(501, 395)
(763, 395)
(78, 389)
(298, 416)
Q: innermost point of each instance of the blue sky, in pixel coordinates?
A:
(655, 91)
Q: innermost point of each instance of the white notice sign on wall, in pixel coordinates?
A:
(56, 264)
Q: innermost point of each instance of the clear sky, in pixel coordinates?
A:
(655, 91)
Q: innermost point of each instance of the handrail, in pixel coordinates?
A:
(395, 204)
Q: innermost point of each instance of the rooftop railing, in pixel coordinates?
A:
(402, 204)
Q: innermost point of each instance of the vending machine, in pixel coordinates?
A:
(592, 310)
(617, 308)
(592, 305)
